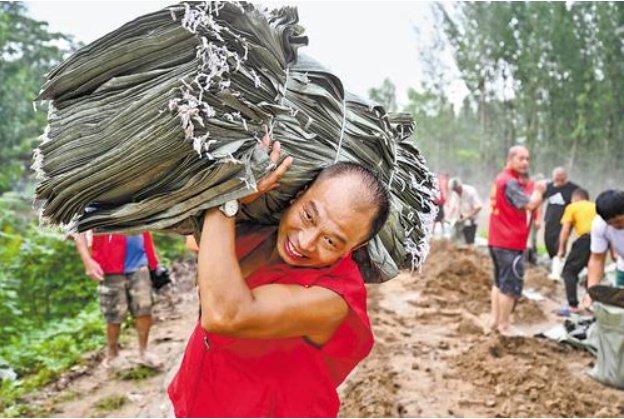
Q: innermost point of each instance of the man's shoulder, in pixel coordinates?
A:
(599, 226)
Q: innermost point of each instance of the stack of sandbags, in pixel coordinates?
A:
(161, 119)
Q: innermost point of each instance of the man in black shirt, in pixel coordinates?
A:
(558, 195)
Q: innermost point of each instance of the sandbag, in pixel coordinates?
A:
(608, 337)
(161, 119)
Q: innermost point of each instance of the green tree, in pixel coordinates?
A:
(548, 75)
(28, 51)
(385, 95)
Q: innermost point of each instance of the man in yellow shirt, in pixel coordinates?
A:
(578, 215)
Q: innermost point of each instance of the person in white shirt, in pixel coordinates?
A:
(607, 232)
(462, 209)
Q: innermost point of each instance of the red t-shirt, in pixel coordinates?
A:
(509, 227)
(109, 250)
(288, 377)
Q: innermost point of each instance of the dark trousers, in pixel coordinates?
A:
(551, 239)
(574, 264)
(469, 230)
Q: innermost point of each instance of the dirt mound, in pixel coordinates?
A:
(528, 377)
(528, 311)
(458, 276)
(537, 279)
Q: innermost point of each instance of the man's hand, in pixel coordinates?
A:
(540, 186)
(537, 224)
(270, 181)
(587, 302)
(94, 270)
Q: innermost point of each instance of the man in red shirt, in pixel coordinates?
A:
(512, 200)
(120, 264)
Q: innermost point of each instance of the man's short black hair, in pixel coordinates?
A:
(610, 204)
(581, 193)
(376, 191)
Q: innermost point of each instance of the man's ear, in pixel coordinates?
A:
(360, 246)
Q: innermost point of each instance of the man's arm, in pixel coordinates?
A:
(229, 307)
(92, 268)
(595, 272)
(516, 196)
(595, 268)
(563, 238)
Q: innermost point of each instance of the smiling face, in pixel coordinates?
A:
(325, 223)
(617, 222)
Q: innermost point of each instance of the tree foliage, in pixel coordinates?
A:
(384, 95)
(548, 75)
(28, 50)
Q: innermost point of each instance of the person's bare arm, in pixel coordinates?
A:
(563, 238)
(520, 200)
(191, 244)
(229, 307)
(535, 200)
(475, 210)
(595, 272)
(92, 269)
(595, 268)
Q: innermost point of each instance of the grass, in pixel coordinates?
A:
(110, 403)
(137, 374)
(67, 396)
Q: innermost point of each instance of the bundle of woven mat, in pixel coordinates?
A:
(161, 119)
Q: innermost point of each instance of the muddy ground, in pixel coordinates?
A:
(433, 356)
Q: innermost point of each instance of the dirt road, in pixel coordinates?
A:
(433, 356)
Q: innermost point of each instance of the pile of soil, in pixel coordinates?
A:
(536, 278)
(531, 377)
(435, 356)
(462, 276)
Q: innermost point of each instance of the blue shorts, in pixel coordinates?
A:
(508, 270)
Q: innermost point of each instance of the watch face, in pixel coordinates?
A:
(230, 208)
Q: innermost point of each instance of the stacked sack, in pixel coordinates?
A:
(161, 119)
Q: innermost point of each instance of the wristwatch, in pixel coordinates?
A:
(230, 208)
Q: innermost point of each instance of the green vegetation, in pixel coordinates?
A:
(110, 403)
(545, 74)
(139, 373)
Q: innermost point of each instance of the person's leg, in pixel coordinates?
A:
(143, 325)
(112, 340)
(506, 305)
(511, 280)
(470, 231)
(494, 307)
(575, 262)
(140, 292)
(551, 240)
(494, 292)
(114, 305)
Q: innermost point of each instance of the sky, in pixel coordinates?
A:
(362, 42)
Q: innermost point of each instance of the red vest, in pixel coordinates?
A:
(222, 376)
(109, 250)
(509, 227)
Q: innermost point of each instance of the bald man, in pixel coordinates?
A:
(513, 199)
(558, 195)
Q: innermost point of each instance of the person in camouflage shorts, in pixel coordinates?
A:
(121, 264)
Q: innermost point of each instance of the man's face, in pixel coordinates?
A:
(560, 177)
(324, 223)
(617, 222)
(519, 162)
